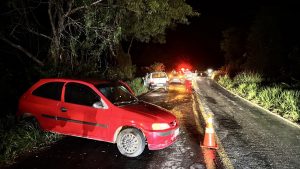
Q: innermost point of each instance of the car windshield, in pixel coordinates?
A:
(117, 93)
(159, 75)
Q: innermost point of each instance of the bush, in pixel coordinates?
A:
(216, 75)
(117, 73)
(252, 90)
(137, 86)
(277, 98)
(290, 105)
(225, 81)
(247, 90)
(268, 97)
(248, 77)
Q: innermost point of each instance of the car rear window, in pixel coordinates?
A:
(51, 90)
(159, 75)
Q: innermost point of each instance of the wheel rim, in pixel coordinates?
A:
(129, 143)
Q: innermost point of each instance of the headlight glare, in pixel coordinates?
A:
(160, 126)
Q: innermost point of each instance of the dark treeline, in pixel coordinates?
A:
(77, 38)
(269, 44)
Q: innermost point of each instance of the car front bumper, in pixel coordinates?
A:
(159, 140)
(158, 85)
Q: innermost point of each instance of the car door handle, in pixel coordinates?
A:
(63, 109)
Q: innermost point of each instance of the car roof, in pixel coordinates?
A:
(91, 81)
(158, 72)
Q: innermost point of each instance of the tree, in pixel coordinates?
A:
(233, 46)
(156, 67)
(264, 48)
(148, 20)
(86, 35)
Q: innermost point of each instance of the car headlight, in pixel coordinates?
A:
(160, 126)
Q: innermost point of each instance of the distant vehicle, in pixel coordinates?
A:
(156, 80)
(203, 74)
(100, 110)
(176, 77)
(188, 75)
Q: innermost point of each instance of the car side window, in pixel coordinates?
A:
(80, 94)
(51, 90)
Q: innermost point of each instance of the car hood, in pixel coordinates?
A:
(150, 110)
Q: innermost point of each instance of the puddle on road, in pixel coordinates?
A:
(211, 100)
(228, 123)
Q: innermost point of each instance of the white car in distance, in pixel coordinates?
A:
(156, 80)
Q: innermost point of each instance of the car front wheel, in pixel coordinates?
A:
(131, 142)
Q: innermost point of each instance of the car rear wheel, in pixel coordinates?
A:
(131, 142)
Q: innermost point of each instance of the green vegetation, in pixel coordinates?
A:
(156, 67)
(87, 36)
(137, 86)
(23, 137)
(278, 98)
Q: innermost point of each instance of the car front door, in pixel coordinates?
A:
(78, 116)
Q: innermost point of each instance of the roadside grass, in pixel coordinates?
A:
(23, 137)
(137, 86)
(277, 98)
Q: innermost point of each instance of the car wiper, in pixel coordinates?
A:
(126, 102)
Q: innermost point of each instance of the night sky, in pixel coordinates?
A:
(199, 42)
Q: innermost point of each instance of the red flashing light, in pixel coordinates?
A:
(184, 66)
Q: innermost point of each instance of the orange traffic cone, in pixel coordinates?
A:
(209, 137)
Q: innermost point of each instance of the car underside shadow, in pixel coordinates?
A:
(73, 152)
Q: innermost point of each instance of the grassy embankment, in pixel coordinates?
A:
(21, 137)
(279, 98)
(25, 136)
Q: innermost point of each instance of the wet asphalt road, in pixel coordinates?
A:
(72, 152)
(251, 137)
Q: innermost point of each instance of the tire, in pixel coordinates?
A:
(150, 87)
(131, 142)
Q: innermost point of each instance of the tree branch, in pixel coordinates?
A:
(70, 12)
(40, 63)
(40, 34)
(129, 47)
(51, 19)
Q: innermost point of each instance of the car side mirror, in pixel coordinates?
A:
(100, 105)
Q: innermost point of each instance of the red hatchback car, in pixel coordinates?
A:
(100, 110)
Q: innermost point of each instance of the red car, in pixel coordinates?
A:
(100, 110)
